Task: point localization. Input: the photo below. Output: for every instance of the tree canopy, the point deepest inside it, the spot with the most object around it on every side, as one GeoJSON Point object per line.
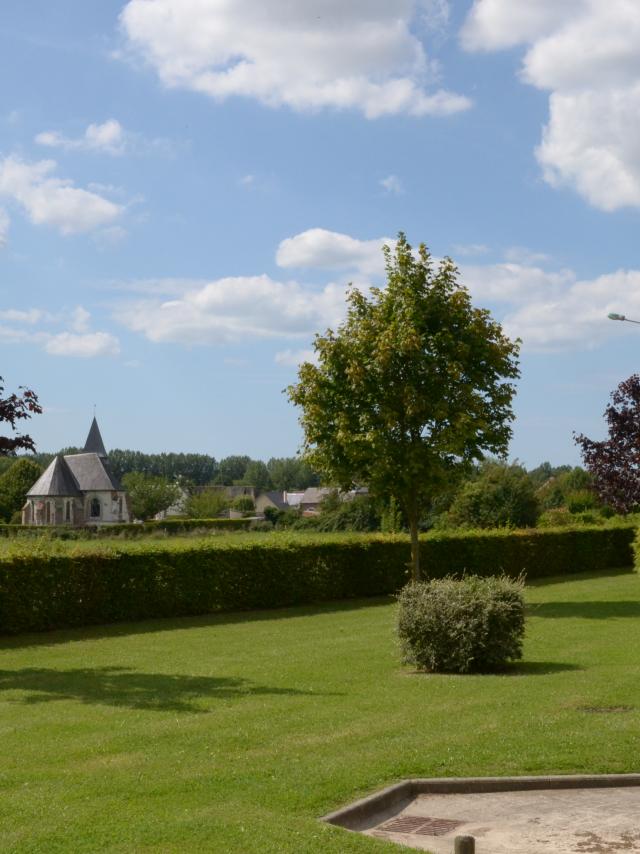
{"type": "Point", "coordinates": [14, 408]}
{"type": "Point", "coordinates": [502, 495]}
{"type": "Point", "coordinates": [614, 463]}
{"type": "Point", "coordinates": [412, 387]}
{"type": "Point", "coordinates": [149, 494]}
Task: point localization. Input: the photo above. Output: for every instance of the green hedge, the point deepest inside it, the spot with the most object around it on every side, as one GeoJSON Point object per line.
{"type": "Point", "coordinates": [53, 584]}
{"type": "Point", "coordinates": [168, 526]}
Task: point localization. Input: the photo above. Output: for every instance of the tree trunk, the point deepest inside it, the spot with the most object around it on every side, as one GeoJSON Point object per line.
{"type": "Point", "coordinates": [415, 546]}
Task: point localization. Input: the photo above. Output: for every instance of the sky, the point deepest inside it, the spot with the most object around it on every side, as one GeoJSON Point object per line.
{"type": "Point", "coordinates": [187, 188]}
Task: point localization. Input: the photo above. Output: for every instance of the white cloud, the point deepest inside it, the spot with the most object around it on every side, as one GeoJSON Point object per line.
{"type": "Point", "coordinates": [585, 53]}
{"type": "Point", "coordinates": [293, 358]}
{"type": "Point", "coordinates": [54, 201]}
{"type": "Point", "coordinates": [232, 309]}
{"type": "Point", "coordinates": [247, 180]}
{"type": "Point", "coordinates": [522, 255]}
{"type": "Point", "coordinates": [470, 249]}
{"type": "Point", "coordinates": [361, 55]}
{"type": "Point", "coordinates": [392, 184]}
{"type": "Point", "coordinates": [77, 340]}
{"type": "Point", "coordinates": [86, 345]}
{"type": "Point", "coordinates": [13, 315]}
{"type": "Point", "coordinates": [320, 249]}
{"type": "Point", "coordinates": [4, 227]}
{"type": "Point", "coordinates": [555, 310]}
{"type": "Point", "coordinates": [108, 137]}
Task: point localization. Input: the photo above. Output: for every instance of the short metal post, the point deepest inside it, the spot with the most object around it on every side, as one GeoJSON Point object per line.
{"type": "Point", "coordinates": [464, 845]}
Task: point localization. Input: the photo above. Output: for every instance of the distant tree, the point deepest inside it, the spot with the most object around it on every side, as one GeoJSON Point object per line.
{"type": "Point", "coordinates": [256, 474]}
{"type": "Point", "coordinates": [207, 504]}
{"type": "Point", "coordinates": [544, 472]}
{"type": "Point", "coordinates": [614, 463]}
{"type": "Point", "coordinates": [289, 473]}
{"type": "Point", "coordinates": [198, 469]}
{"type": "Point", "coordinates": [501, 495]}
{"type": "Point", "coordinates": [14, 408]}
{"type": "Point", "coordinates": [231, 470]}
{"type": "Point", "coordinates": [14, 485]}
{"type": "Point", "coordinates": [412, 387]}
{"type": "Point", "coordinates": [149, 494]}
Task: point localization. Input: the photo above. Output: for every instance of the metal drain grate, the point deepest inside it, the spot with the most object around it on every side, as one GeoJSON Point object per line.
{"type": "Point", "coordinates": [438, 827]}
{"type": "Point", "coordinates": [421, 825]}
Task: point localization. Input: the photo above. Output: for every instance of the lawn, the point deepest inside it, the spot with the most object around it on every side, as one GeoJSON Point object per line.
{"type": "Point", "coordinates": [233, 733]}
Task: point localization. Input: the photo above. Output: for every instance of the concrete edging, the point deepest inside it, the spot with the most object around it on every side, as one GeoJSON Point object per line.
{"type": "Point", "coordinates": [392, 799]}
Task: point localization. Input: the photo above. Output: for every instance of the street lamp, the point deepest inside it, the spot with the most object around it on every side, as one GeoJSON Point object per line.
{"type": "Point", "coordinates": [614, 316]}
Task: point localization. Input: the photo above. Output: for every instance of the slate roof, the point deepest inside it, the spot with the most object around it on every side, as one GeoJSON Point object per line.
{"type": "Point", "coordinates": [94, 443]}
{"type": "Point", "coordinates": [315, 494]}
{"type": "Point", "coordinates": [278, 498]}
{"type": "Point", "coordinates": [57, 480]}
{"type": "Point", "coordinates": [92, 473]}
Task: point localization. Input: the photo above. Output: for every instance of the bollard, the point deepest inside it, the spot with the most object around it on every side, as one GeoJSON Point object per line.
{"type": "Point", "coordinates": [464, 845]}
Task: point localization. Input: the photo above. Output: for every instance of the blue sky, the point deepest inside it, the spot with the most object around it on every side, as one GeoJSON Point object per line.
{"type": "Point", "coordinates": [187, 186]}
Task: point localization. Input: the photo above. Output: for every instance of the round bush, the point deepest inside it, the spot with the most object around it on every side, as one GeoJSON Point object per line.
{"type": "Point", "coordinates": [472, 625]}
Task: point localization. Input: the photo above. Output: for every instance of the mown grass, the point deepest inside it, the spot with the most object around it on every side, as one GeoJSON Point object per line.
{"type": "Point", "coordinates": [234, 733]}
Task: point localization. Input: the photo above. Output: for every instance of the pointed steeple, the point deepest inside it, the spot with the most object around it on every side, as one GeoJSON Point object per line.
{"type": "Point", "coordinates": [94, 443]}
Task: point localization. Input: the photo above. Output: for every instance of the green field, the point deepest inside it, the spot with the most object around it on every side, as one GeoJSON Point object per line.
{"type": "Point", "coordinates": [233, 733]}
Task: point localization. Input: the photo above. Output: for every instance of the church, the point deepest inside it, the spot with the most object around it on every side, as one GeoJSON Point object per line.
{"type": "Point", "coordinates": [78, 490]}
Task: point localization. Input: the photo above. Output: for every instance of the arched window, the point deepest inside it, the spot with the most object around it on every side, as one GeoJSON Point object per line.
{"type": "Point", "coordinates": [95, 508]}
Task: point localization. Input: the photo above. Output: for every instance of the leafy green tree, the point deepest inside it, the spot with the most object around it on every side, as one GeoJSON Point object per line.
{"type": "Point", "coordinates": [413, 385]}
{"type": "Point", "coordinates": [289, 473]}
{"type": "Point", "coordinates": [257, 474]}
{"type": "Point", "coordinates": [14, 485]}
{"type": "Point", "coordinates": [149, 494]}
{"type": "Point", "coordinates": [502, 495]}
{"type": "Point", "coordinates": [231, 470]}
{"type": "Point", "coordinates": [243, 503]}
{"type": "Point", "coordinates": [207, 504]}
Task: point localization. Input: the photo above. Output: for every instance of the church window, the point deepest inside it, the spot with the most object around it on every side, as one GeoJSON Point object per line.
{"type": "Point", "coordinates": [67, 511]}
{"type": "Point", "coordinates": [95, 508]}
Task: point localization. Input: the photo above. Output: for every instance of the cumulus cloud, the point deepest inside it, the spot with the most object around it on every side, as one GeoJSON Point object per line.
{"type": "Point", "coordinates": [52, 201]}
{"type": "Point", "coordinates": [86, 345]}
{"type": "Point", "coordinates": [320, 249]}
{"type": "Point", "coordinates": [362, 55]}
{"type": "Point", "coordinates": [230, 309]}
{"type": "Point", "coordinates": [586, 55]}
{"type": "Point", "coordinates": [108, 137]}
{"type": "Point", "coordinates": [78, 340]}
{"type": "Point", "coordinates": [554, 310]}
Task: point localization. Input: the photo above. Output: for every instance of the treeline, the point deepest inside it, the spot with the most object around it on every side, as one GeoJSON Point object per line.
{"type": "Point", "coordinates": [282, 473]}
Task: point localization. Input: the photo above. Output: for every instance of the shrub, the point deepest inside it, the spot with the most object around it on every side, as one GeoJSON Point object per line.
{"type": "Point", "coordinates": [243, 503]}
{"type": "Point", "coordinates": [451, 626]}
{"type": "Point", "coordinates": [207, 504]}
{"type": "Point", "coordinates": [501, 495]}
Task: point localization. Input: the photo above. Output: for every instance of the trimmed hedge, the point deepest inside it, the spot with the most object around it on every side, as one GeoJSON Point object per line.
{"type": "Point", "coordinates": [55, 584]}
{"type": "Point", "coordinates": [167, 526]}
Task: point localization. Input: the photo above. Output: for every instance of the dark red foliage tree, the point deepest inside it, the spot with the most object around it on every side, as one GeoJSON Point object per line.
{"type": "Point", "coordinates": [615, 462]}
{"type": "Point", "coordinates": [14, 408]}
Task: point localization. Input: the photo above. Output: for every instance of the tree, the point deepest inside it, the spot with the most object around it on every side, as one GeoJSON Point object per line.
{"type": "Point", "coordinates": [614, 463]}
{"type": "Point", "coordinates": [17, 407]}
{"type": "Point", "coordinates": [207, 504]}
{"type": "Point", "coordinates": [501, 495]}
{"type": "Point", "coordinates": [412, 387]}
{"type": "Point", "coordinates": [288, 473]}
{"type": "Point", "coordinates": [231, 469]}
{"type": "Point", "coordinates": [149, 494]}
{"type": "Point", "coordinates": [256, 474]}
{"type": "Point", "coordinates": [14, 485]}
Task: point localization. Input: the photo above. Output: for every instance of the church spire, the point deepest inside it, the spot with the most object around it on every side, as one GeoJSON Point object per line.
{"type": "Point", "coordinates": [94, 443]}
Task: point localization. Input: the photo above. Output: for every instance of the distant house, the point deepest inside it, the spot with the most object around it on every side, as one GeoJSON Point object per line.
{"type": "Point", "coordinates": [78, 489]}
{"type": "Point", "coordinates": [312, 498]}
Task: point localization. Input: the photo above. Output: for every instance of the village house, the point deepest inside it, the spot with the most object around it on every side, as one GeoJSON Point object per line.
{"type": "Point", "coordinates": [78, 489]}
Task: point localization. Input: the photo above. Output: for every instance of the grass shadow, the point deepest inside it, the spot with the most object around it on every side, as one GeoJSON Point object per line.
{"type": "Point", "coordinates": [585, 610]}
{"type": "Point", "coordinates": [121, 686]}
{"type": "Point", "coordinates": [170, 624]}
{"type": "Point", "coordinates": [580, 576]}
{"type": "Point", "coordinates": [538, 668]}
